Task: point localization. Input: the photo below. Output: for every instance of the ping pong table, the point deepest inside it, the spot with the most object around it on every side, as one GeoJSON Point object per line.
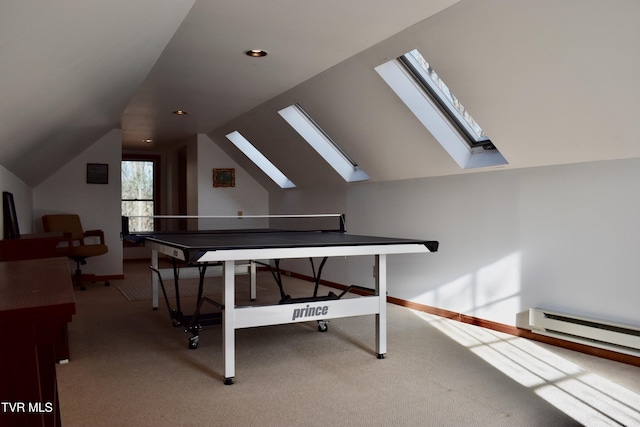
{"type": "Point", "coordinates": [229, 247]}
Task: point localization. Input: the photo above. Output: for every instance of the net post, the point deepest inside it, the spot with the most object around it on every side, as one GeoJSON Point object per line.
{"type": "Point", "coordinates": [343, 223]}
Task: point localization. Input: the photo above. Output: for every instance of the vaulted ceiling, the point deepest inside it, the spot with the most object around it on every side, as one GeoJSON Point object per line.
{"type": "Point", "coordinates": [551, 81]}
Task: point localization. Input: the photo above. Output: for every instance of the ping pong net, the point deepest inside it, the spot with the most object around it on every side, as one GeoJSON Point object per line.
{"type": "Point", "coordinates": [133, 226]}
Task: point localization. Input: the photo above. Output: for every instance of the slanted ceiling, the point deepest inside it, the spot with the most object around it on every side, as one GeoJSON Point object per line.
{"type": "Point", "coordinates": [549, 81]}
{"type": "Point", "coordinates": [68, 69]}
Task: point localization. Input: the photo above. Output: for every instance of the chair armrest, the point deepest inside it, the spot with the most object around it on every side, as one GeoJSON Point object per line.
{"type": "Point", "coordinates": [95, 233]}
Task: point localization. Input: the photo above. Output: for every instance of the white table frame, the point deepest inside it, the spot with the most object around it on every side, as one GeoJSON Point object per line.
{"type": "Point", "coordinates": [234, 317]}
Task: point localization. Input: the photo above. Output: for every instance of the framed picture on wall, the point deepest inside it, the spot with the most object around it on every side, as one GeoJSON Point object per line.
{"type": "Point", "coordinates": [224, 177]}
{"type": "Point", "coordinates": [97, 173]}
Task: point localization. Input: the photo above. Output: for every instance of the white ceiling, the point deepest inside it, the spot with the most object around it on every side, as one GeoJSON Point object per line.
{"type": "Point", "coordinates": [551, 81]}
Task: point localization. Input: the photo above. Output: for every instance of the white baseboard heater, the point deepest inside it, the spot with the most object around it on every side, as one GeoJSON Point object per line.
{"type": "Point", "coordinates": [596, 333]}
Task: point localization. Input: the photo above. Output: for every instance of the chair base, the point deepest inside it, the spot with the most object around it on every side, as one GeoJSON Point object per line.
{"type": "Point", "coordinates": [79, 278]}
{"type": "Point", "coordinates": [80, 281]}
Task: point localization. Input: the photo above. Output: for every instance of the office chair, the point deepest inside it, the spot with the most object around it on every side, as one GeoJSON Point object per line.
{"type": "Point", "coordinates": [76, 248]}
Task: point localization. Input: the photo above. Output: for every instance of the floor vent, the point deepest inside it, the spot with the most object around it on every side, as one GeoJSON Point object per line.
{"type": "Point", "coordinates": [597, 333]}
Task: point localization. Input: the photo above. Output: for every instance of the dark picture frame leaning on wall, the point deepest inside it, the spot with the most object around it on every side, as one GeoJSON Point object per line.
{"type": "Point", "coordinates": [10, 219]}
{"type": "Point", "coordinates": [97, 173]}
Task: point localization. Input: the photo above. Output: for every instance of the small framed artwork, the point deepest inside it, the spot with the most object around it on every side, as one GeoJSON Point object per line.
{"type": "Point", "coordinates": [224, 177]}
{"type": "Point", "coordinates": [97, 173]}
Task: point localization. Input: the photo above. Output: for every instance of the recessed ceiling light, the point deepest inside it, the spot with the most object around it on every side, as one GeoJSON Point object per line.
{"type": "Point", "coordinates": [256, 53]}
{"type": "Point", "coordinates": [180, 112]}
{"type": "Point", "coordinates": [148, 140]}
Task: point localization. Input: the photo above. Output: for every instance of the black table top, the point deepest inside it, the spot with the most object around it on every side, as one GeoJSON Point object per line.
{"type": "Point", "coordinates": [264, 239]}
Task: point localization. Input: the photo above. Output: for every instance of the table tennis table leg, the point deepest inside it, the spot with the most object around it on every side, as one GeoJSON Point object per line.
{"type": "Point", "coordinates": [253, 281]}
{"type": "Point", "coordinates": [381, 318]}
{"type": "Point", "coordinates": [154, 280]}
{"type": "Point", "coordinates": [228, 323]}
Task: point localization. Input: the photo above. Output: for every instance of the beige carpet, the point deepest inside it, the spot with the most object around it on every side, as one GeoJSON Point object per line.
{"type": "Point", "coordinates": [140, 290]}
{"type": "Point", "coordinates": [143, 292]}
{"type": "Point", "coordinates": [130, 367]}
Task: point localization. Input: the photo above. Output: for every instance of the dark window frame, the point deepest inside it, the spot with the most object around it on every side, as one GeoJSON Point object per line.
{"type": "Point", "coordinates": [156, 160]}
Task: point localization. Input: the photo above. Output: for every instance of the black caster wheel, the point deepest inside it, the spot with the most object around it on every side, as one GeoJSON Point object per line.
{"type": "Point", "coordinates": [193, 342]}
{"type": "Point", "coordinates": [323, 326]}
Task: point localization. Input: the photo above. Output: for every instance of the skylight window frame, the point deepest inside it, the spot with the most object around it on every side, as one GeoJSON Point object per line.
{"type": "Point", "coordinates": [319, 140]}
{"type": "Point", "coordinates": [432, 116]}
{"type": "Point", "coordinates": [411, 62]}
{"type": "Point", "coordinates": [259, 160]}
{"type": "Point", "coordinates": [326, 135]}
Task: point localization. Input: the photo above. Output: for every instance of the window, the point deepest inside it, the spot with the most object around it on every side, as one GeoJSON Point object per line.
{"type": "Point", "coordinates": [433, 103]}
{"type": "Point", "coordinates": [139, 194]}
{"type": "Point", "coordinates": [259, 159]}
{"type": "Point", "coordinates": [315, 136]}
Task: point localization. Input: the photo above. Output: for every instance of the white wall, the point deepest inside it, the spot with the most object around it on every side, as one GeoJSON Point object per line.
{"type": "Point", "coordinates": [22, 197]}
{"type": "Point", "coordinates": [247, 196]}
{"type": "Point", "coordinates": [562, 237]}
{"type": "Point", "coordinates": [98, 205]}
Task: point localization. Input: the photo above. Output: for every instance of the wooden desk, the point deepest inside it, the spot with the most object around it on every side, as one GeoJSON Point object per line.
{"type": "Point", "coordinates": [30, 246]}
{"type": "Point", "coordinates": [36, 304]}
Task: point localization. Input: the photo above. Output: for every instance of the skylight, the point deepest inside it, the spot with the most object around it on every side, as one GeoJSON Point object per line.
{"type": "Point", "coordinates": [432, 102]}
{"type": "Point", "coordinates": [260, 160]}
{"type": "Point", "coordinates": [300, 120]}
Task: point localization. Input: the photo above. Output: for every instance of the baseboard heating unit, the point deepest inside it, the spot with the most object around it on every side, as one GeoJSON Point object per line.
{"type": "Point", "coordinates": [612, 336]}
